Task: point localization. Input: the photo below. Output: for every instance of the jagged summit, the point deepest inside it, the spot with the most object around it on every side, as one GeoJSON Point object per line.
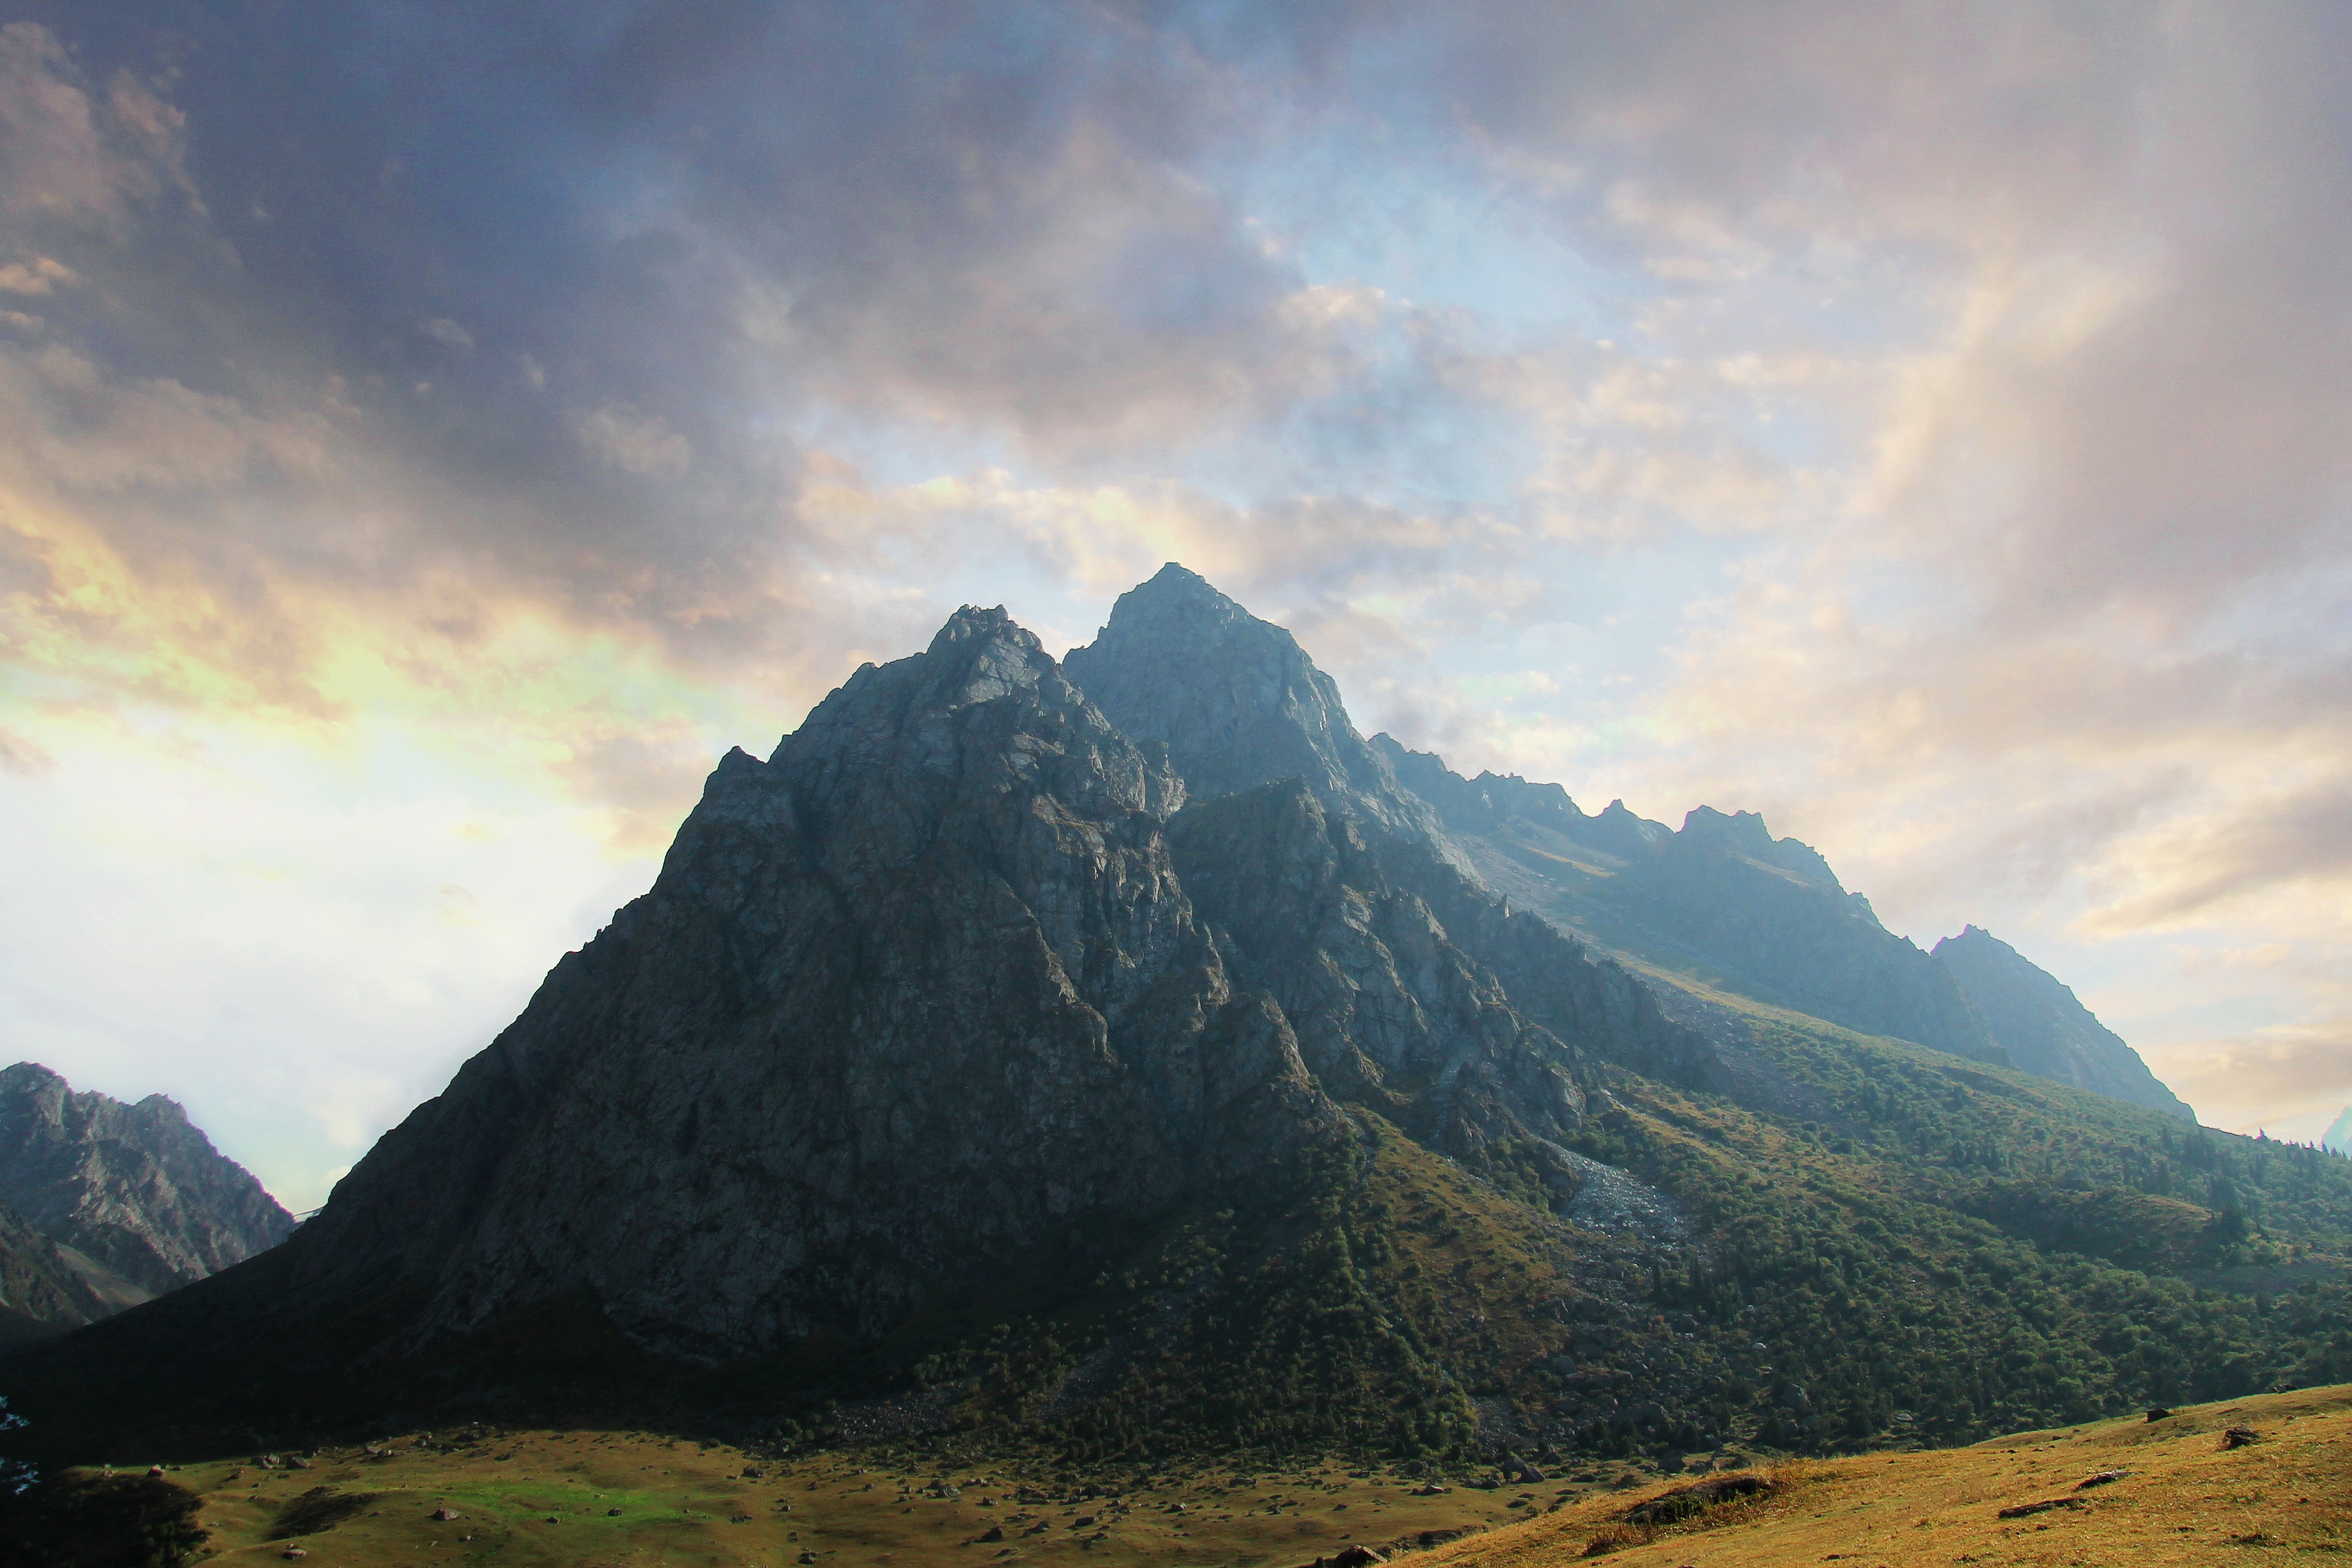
{"type": "Point", "coordinates": [2045, 1027]}
{"type": "Point", "coordinates": [1237, 702]}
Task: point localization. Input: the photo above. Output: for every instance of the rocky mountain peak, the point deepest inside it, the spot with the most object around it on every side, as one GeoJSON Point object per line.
{"type": "Point", "coordinates": [904, 1000]}
{"type": "Point", "coordinates": [137, 1197]}
{"type": "Point", "coordinates": [1237, 702]}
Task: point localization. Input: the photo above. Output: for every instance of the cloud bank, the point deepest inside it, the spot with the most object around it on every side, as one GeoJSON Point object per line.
{"type": "Point", "coordinates": [450, 428]}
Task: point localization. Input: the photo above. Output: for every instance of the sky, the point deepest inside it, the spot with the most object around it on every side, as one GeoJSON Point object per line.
{"type": "Point", "coordinates": [432, 434]}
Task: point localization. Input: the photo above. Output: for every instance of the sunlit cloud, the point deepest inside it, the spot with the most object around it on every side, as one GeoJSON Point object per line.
{"type": "Point", "coordinates": [1931, 427]}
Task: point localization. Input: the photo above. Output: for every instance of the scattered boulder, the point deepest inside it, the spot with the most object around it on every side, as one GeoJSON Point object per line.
{"type": "Point", "coordinates": [2104, 1479]}
{"type": "Point", "coordinates": [1690, 1501]}
{"type": "Point", "coordinates": [444, 1514]}
{"type": "Point", "coordinates": [2026, 1509]}
{"type": "Point", "coordinates": [1351, 1557]}
{"type": "Point", "coordinates": [2157, 1413]}
{"type": "Point", "coordinates": [993, 1533]}
{"type": "Point", "coordinates": [2238, 1437]}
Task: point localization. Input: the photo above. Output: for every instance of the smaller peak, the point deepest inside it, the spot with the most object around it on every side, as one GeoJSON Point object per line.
{"type": "Point", "coordinates": [32, 1073]}
{"type": "Point", "coordinates": [164, 1107]}
{"type": "Point", "coordinates": [973, 624]}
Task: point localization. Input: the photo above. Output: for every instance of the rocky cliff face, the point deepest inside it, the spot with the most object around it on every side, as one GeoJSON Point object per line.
{"type": "Point", "coordinates": [140, 1198]}
{"type": "Point", "coordinates": [905, 997]}
{"type": "Point", "coordinates": [1237, 703]}
{"type": "Point", "coordinates": [40, 1293]}
{"type": "Point", "coordinates": [2044, 1028]}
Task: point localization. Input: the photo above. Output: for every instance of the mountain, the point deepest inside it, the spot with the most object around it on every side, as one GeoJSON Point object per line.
{"type": "Point", "coordinates": [2044, 1028]}
{"type": "Point", "coordinates": [1116, 1057]}
{"type": "Point", "coordinates": [2339, 1136]}
{"type": "Point", "coordinates": [1236, 702]}
{"type": "Point", "coordinates": [1721, 900]}
{"type": "Point", "coordinates": [136, 1200]}
{"type": "Point", "coordinates": [40, 1293]}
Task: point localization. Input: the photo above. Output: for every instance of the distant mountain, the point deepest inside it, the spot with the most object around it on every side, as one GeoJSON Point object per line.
{"type": "Point", "coordinates": [40, 1293]}
{"type": "Point", "coordinates": [137, 1200]}
{"type": "Point", "coordinates": [2339, 1137]}
{"type": "Point", "coordinates": [1722, 901]}
{"type": "Point", "coordinates": [2044, 1028]}
{"type": "Point", "coordinates": [1118, 1055]}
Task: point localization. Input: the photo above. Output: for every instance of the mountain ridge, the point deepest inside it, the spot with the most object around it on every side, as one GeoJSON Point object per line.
{"type": "Point", "coordinates": [977, 1059]}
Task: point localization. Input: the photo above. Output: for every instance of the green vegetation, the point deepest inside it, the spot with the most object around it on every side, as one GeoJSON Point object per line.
{"type": "Point", "coordinates": [1934, 1252]}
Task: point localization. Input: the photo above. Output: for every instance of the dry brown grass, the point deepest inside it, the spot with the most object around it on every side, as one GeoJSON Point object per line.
{"type": "Point", "coordinates": [2189, 1499]}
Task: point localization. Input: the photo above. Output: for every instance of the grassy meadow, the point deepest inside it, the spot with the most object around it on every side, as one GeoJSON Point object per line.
{"type": "Point", "coordinates": [2182, 1497]}
{"type": "Point", "coordinates": [593, 1497]}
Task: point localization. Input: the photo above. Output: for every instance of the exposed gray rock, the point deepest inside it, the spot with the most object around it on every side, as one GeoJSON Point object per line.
{"type": "Point", "coordinates": [2044, 1028]}
{"type": "Point", "coordinates": [1237, 703]}
{"type": "Point", "coordinates": [1390, 1012]}
{"type": "Point", "coordinates": [905, 997]}
{"type": "Point", "coordinates": [133, 1190]}
{"type": "Point", "coordinates": [40, 1293]}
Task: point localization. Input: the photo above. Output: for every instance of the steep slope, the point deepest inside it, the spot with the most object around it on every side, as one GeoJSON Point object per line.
{"type": "Point", "coordinates": [2044, 1028]}
{"type": "Point", "coordinates": [1722, 901]}
{"type": "Point", "coordinates": [141, 1197]}
{"type": "Point", "coordinates": [40, 1293]}
{"type": "Point", "coordinates": [904, 999]}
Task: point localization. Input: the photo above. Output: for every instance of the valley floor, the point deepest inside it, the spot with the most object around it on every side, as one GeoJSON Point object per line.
{"type": "Point", "coordinates": [639, 1500]}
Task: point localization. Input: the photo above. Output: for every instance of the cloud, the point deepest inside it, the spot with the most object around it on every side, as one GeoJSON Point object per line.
{"type": "Point", "coordinates": [1928, 425]}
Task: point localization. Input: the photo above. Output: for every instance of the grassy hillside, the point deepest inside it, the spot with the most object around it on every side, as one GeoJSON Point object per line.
{"type": "Point", "coordinates": [2178, 1496]}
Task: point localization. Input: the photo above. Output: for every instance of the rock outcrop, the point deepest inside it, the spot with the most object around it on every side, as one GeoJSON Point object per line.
{"type": "Point", "coordinates": [2044, 1028]}
{"type": "Point", "coordinates": [139, 1200]}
